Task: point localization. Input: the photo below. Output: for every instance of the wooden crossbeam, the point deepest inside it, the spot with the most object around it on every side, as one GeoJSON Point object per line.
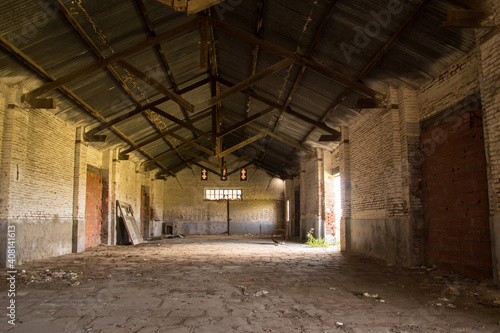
{"type": "Point", "coordinates": [169, 153]}
{"type": "Point", "coordinates": [200, 158]}
{"type": "Point", "coordinates": [309, 63]}
{"type": "Point", "coordinates": [89, 69]}
{"type": "Point", "coordinates": [168, 132]}
{"type": "Point", "coordinates": [141, 109]}
{"type": "Point", "coordinates": [268, 132]}
{"type": "Point", "coordinates": [9, 47]}
{"type": "Point", "coordinates": [157, 85]}
{"type": "Point", "coordinates": [192, 144]}
{"type": "Point", "coordinates": [242, 144]}
{"type": "Point", "coordinates": [179, 122]}
{"type": "Point", "coordinates": [289, 110]}
{"type": "Point", "coordinates": [244, 84]}
{"type": "Point", "coordinates": [266, 151]}
{"type": "Point", "coordinates": [245, 122]}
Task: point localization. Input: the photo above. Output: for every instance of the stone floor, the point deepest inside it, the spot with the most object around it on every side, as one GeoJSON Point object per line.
{"type": "Point", "coordinates": [242, 284]}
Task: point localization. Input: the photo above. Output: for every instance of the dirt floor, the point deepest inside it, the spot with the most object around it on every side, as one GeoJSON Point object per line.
{"type": "Point", "coordinates": [242, 284]}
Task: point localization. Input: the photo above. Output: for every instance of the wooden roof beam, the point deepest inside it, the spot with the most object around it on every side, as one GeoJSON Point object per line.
{"type": "Point", "coordinates": [300, 60]}
{"type": "Point", "coordinates": [89, 69]}
{"type": "Point", "coordinates": [9, 47]}
{"type": "Point", "coordinates": [268, 132]}
{"type": "Point", "coordinates": [242, 144]}
{"type": "Point", "coordinates": [244, 84]}
{"type": "Point", "coordinates": [143, 108]}
{"type": "Point", "coordinates": [157, 85]}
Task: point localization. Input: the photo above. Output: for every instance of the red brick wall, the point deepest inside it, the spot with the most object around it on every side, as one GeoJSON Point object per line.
{"type": "Point", "coordinates": [93, 206]}
{"type": "Point", "coordinates": [455, 197]}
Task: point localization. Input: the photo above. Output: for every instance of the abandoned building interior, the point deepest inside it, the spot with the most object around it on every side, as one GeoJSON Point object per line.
{"type": "Point", "coordinates": [373, 125]}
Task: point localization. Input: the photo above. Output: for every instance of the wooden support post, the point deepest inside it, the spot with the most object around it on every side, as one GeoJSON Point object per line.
{"type": "Point", "coordinates": [42, 103]}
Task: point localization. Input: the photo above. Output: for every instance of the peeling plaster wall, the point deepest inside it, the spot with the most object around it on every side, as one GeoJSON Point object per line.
{"type": "Point", "coordinates": [260, 212]}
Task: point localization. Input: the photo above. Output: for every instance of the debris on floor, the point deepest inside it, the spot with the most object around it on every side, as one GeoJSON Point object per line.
{"type": "Point", "coordinates": [44, 276]}
{"type": "Point", "coordinates": [175, 236]}
{"type": "Point", "coordinates": [261, 293]}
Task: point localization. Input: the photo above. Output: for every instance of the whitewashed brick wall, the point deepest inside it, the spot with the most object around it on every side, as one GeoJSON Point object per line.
{"type": "Point", "coordinates": [453, 85]}
{"type": "Point", "coordinates": [186, 209]}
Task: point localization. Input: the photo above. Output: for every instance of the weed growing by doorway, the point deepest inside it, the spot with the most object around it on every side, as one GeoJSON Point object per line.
{"type": "Point", "coordinates": [320, 242]}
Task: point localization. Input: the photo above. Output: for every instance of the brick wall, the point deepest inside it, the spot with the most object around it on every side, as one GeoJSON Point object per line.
{"type": "Point", "coordinates": [261, 211]}
{"type": "Point", "coordinates": [36, 192]}
{"type": "Point", "coordinates": [377, 169]}
{"type": "Point", "coordinates": [375, 178]}
{"type": "Point", "coordinates": [454, 84]}
{"type": "Point", "coordinates": [455, 197]}
{"type": "Point", "coordinates": [310, 198]}
{"type": "Point", "coordinates": [490, 96]}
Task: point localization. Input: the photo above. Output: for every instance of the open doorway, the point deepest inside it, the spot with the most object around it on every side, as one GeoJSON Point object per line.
{"type": "Point", "coordinates": [333, 208]}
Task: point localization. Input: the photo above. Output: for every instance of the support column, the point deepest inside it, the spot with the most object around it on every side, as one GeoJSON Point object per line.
{"type": "Point", "coordinates": [109, 169]}
{"type": "Point", "coordinates": [412, 246]}
{"type": "Point", "coordinates": [320, 225]}
{"type": "Point", "coordinates": [79, 192]}
{"type": "Point", "coordinates": [490, 96]}
{"type": "Point", "coordinates": [345, 181]}
{"type": "Point", "coordinates": [14, 151]}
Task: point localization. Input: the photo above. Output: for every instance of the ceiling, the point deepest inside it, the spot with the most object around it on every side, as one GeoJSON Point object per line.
{"type": "Point", "coordinates": [266, 81]}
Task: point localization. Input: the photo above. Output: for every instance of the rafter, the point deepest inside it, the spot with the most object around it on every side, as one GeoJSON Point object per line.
{"type": "Point", "coordinates": [255, 51]}
{"type": "Point", "coordinates": [296, 84]}
{"type": "Point", "coordinates": [245, 122]}
{"type": "Point", "coordinates": [179, 122]}
{"type": "Point", "coordinates": [289, 110]}
{"type": "Point", "coordinates": [89, 69]}
{"type": "Point", "coordinates": [157, 85]}
{"type": "Point", "coordinates": [375, 60]}
{"type": "Point", "coordinates": [161, 54]}
{"type": "Point", "coordinates": [192, 144]}
{"type": "Point", "coordinates": [268, 132]}
{"type": "Point", "coordinates": [168, 154]}
{"type": "Point", "coordinates": [110, 69]}
{"type": "Point", "coordinates": [243, 84]}
{"type": "Point", "coordinates": [143, 108]}
{"type": "Point", "coordinates": [242, 144]}
{"type": "Point", "coordinates": [168, 132]}
{"type": "Point", "coordinates": [326, 71]}
{"type": "Point", "coordinates": [9, 47]}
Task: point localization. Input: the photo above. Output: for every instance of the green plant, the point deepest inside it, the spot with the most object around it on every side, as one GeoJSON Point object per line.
{"type": "Point", "coordinates": [320, 242]}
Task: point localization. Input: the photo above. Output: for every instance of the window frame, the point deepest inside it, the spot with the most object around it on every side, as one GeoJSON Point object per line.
{"type": "Point", "coordinates": [223, 194]}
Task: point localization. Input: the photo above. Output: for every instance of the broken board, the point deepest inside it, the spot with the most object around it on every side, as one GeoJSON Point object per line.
{"type": "Point", "coordinates": [127, 213]}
